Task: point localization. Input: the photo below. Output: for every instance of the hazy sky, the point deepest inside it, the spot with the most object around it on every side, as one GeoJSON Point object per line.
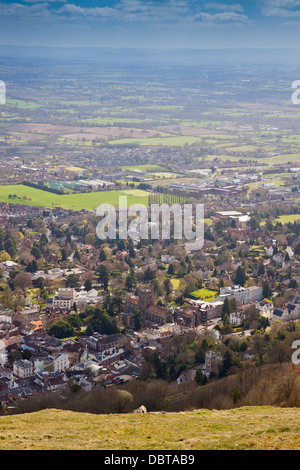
{"type": "Point", "coordinates": [151, 23]}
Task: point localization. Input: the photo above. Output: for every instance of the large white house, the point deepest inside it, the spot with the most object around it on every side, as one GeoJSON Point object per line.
{"type": "Point", "coordinates": [23, 368]}
{"type": "Point", "coordinates": [64, 298]}
{"type": "Point", "coordinates": [242, 295]}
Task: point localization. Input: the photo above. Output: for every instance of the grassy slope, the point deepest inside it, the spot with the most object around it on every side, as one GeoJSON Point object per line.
{"type": "Point", "coordinates": [241, 428]}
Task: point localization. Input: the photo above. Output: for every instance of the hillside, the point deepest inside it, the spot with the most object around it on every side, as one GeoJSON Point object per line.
{"type": "Point", "coordinates": [241, 428]}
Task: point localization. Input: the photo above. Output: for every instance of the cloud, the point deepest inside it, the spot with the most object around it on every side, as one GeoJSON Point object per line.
{"type": "Point", "coordinates": [19, 10]}
{"type": "Point", "coordinates": [71, 10]}
{"type": "Point", "coordinates": [130, 10]}
{"type": "Point", "coordinates": [280, 8]}
{"type": "Point", "coordinates": [222, 18]}
{"type": "Point", "coordinates": [223, 7]}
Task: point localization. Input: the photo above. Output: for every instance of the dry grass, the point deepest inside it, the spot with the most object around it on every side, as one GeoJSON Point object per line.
{"type": "Point", "coordinates": [261, 428]}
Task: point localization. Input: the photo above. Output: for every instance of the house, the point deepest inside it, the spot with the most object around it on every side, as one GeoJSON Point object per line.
{"type": "Point", "coordinates": [27, 315]}
{"type": "Point", "coordinates": [57, 362]}
{"type": "Point", "coordinates": [84, 298]}
{"type": "Point", "coordinates": [265, 309]}
{"type": "Point", "coordinates": [212, 361]}
{"type": "Point", "coordinates": [187, 376]}
{"type": "Point", "coordinates": [64, 299]}
{"type": "Point", "coordinates": [243, 295]}
{"type": "Point", "coordinates": [236, 318]}
{"type": "Point", "coordinates": [23, 368]}
{"type": "Point", "coordinates": [166, 259]}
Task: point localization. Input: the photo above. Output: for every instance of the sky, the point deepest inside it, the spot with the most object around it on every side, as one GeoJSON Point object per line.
{"type": "Point", "coordinates": [163, 24]}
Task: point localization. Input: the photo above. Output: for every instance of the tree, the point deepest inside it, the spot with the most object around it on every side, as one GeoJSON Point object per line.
{"type": "Point", "coordinates": [138, 320]}
{"type": "Point", "coordinates": [226, 364]}
{"type": "Point", "coordinates": [171, 269]}
{"type": "Point", "coordinates": [149, 275]}
{"type": "Point", "coordinates": [61, 329]}
{"type": "Point", "coordinates": [131, 281]}
{"type": "Point", "coordinates": [167, 286]}
{"type": "Point", "coordinates": [201, 379]}
{"type": "Point", "coordinates": [73, 281]}
{"type": "Point", "coordinates": [36, 252]}
{"type": "Point", "coordinates": [121, 245]}
{"type": "Point", "coordinates": [267, 292]}
{"type": "Point", "coordinates": [226, 307]}
{"type": "Point", "coordinates": [88, 285]}
{"type": "Point", "coordinates": [32, 266]}
{"type": "Point", "coordinates": [240, 276]}
{"type": "Point", "coordinates": [74, 320]}
{"type": "Point", "coordinates": [22, 281]}
{"type": "Point", "coordinates": [261, 269]}
{"type": "Point", "coordinates": [131, 250]}
{"type": "Point", "coordinates": [103, 275]}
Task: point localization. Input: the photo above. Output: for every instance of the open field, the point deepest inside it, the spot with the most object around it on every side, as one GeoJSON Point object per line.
{"type": "Point", "coordinates": [80, 133]}
{"type": "Point", "coordinates": [204, 294]}
{"type": "Point", "coordinates": [169, 141]}
{"type": "Point", "coordinates": [89, 201]}
{"type": "Point", "coordinates": [285, 219]}
{"type": "Point", "coordinates": [255, 428]}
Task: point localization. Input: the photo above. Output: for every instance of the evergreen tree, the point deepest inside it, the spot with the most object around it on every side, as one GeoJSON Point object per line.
{"type": "Point", "coordinates": [240, 276]}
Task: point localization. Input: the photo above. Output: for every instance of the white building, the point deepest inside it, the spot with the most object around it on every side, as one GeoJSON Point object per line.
{"type": "Point", "coordinates": [243, 295]}
{"type": "Point", "coordinates": [84, 298]}
{"type": "Point", "coordinates": [23, 368]}
{"type": "Point", "coordinates": [236, 318]}
{"type": "Point", "coordinates": [265, 309]}
{"type": "Point", "coordinates": [64, 299]}
{"type": "Point", "coordinates": [58, 362]}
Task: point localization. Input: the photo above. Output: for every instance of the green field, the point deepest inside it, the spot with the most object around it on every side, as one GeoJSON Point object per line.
{"type": "Point", "coordinates": [171, 141]}
{"type": "Point", "coordinates": [89, 201]}
{"type": "Point", "coordinates": [204, 294]}
{"type": "Point", "coordinates": [175, 283]}
{"type": "Point", "coordinates": [285, 219]}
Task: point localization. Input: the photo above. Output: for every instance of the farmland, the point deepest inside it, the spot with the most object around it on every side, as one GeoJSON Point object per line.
{"type": "Point", "coordinates": [90, 201]}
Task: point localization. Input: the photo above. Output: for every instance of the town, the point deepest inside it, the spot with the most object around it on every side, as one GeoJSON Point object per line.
{"type": "Point", "coordinates": [143, 318]}
{"type": "Point", "coordinates": [80, 313]}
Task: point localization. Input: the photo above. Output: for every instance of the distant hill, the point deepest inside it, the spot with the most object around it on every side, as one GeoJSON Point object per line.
{"type": "Point", "coordinates": [138, 56]}
{"type": "Point", "coordinates": [262, 428]}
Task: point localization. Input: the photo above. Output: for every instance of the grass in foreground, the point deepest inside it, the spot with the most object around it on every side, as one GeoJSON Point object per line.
{"type": "Point", "coordinates": [261, 428]}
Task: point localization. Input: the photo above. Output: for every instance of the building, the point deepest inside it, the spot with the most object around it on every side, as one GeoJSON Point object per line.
{"type": "Point", "coordinates": [236, 318]}
{"type": "Point", "coordinates": [23, 368]}
{"type": "Point", "coordinates": [146, 303]}
{"type": "Point", "coordinates": [212, 361]}
{"type": "Point", "coordinates": [242, 295]}
{"type": "Point", "coordinates": [58, 362]}
{"type": "Point", "coordinates": [27, 315]}
{"type": "Point", "coordinates": [64, 299]}
{"type": "Point", "coordinates": [228, 215]}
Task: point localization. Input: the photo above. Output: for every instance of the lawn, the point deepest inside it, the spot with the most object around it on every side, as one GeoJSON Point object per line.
{"type": "Point", "coordinates": [285, 219]}
{"type": "Point", "coordinates": [175, 283]}
{"type": "Point", "coordinates": [204, 294]}
{"type": "Point", "coordinates": [89, 201]}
